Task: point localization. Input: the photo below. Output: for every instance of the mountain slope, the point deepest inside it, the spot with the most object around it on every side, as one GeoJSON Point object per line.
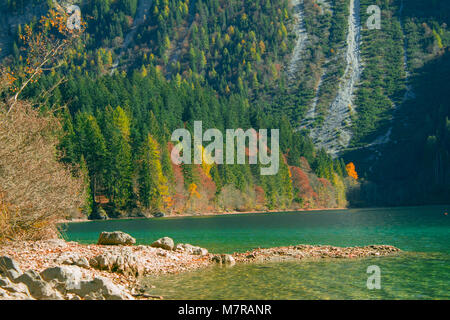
{"type": "Point", "coordinates": [335, 133]}
{"type": "Point", "coordinates": [308, 65]}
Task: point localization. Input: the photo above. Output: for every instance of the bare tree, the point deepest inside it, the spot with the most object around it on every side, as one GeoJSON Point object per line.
{"type": "Point", "coordinates": [36, 190]}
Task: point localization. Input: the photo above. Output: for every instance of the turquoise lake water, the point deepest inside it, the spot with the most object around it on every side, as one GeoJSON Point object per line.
{"type": "Point", "coordinates": [421, 272]}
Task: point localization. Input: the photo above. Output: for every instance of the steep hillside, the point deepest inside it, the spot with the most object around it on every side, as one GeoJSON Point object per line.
{"type": "Point", "coordinates": [412, 166]}
{"type": "Point", "coordinates": [311, 68]}
{"type": "Point", "coordinates": [145, 68]}
{"type": "Point", "coordinates": [387, 121]}
{"type": "Point", "coordinates": [335, 132]}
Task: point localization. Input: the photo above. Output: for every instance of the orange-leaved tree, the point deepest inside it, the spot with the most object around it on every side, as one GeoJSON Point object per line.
{"type": "Point", "coordinates": [351, 170]}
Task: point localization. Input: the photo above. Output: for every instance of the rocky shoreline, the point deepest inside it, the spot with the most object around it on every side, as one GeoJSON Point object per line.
{"type": "Point", "coordinates": [112, 268]}
{"type": "Point", "coordinates": [313, 252]}
{"type": "Point", "coordinates": [208, 214]}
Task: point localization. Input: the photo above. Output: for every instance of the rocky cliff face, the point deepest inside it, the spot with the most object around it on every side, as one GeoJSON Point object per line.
{"type": "Point", "coordinates": [335, 133]}
{"type": "Point", "coordinates": [302, 37]}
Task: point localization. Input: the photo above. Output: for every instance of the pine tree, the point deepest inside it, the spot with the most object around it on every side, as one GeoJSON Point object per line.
{"type": "Point", "coordinates": [122, 122]}
{"type": "Point", "coordinates": [92, 146]}
{"type": "Point", "coordinates": [119, 169]}
{"type": "Point", "coordinates": [89, 202]}
{"type": "Point", "coordinates": [67, 143]}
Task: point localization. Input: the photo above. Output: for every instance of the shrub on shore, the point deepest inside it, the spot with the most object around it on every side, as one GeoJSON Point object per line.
{"type": "Point", "coordinates": [36, 190]}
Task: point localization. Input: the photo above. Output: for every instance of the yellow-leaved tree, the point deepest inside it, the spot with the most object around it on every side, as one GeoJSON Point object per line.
{"type": "Point", "coordinates": [153, 185]}
{"type": "Point", "coordinates": [44, 46]}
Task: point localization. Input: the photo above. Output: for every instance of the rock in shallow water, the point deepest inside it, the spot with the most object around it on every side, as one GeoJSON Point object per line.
{"type": "Point", "coordinates": [194, 250]}
{"type": "Point", "coordinates": [116, 238]}
{"type": "Point", "coordinates": [226, 259]}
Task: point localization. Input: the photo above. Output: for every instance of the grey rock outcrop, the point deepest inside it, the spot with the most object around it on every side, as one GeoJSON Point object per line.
{"type": "Point", "coordinates": [73, 259]}
{"type": "Point", "coordinates": [200, 251]}
{"type": "Point", "coordinates": [38, 288]}
{"type": "Point", "coordinates": [226, 259]}
{"type": "Point", "coordinates": [14, 291]}
{"type": "Point", "coordinates": [100, 288]}
{"type": "Point", "coordinates": [62, 274]}
{"type": "Point", "coordinates": [9, 268]}
{"type": "Point", "coordinates": [126, 263]}
{"type": "Point", "coordinates": [194, 250]}
{"type": "Point", "coordinates": [7, 295]}
{"type": "Point", "coordinates": [66, 282]}
{"type": "Point", "coordinates": [116, 238]}
{"type": "Point", "coordinates": [164, 243]}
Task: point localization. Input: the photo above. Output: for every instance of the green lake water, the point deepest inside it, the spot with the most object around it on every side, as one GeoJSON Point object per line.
{"type": "Point", "coordinates": [421, 272]}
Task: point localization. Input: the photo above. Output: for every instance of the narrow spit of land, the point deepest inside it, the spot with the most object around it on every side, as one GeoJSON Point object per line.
{"type": "Point", "coordinates": [124, 265]}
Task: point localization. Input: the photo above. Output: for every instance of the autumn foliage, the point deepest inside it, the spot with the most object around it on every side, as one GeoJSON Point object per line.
{"type": "Point", "coordinates": [351, 170]}
{"type": "Point", "coordinates": [302, 187]}
{"type": "Point", "coordinates": [43, 47]}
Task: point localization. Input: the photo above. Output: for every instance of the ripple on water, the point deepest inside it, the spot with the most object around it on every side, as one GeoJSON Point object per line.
{"type": "Point", "coordinates": [407, 276]}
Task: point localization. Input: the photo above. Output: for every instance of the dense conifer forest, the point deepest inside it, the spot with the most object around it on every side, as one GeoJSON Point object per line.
{"type": "Point", "coordinates": [142, 69]}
